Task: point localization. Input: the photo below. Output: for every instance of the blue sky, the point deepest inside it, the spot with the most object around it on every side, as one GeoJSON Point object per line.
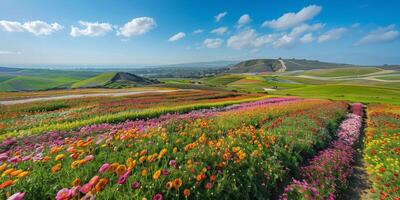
{"type": "Point", "coordinates": [149, 32]}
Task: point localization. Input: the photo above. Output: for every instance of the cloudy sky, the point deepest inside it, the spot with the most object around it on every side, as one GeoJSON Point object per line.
{"type": "Point", "coordinates": [148, 32]}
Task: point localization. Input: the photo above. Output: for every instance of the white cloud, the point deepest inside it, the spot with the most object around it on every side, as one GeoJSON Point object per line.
{"type": "Point", "coordinates": [10, 52]}
{"type": "Point", "coordinates": [332, 34]}
{"type": "Point", "coordinates": [248, 39]}
{"type": "Point", "coordinates": [289, 20]}
{"type": "Point", "coordinates": [380, 35]}
{"type": "Point", "coordinates": [286, 41]}
{"type": "Point", "coordinates": [298, 30]}
{"type": "Point", "coordinates": [91, 29]}
{"type": "Point", "coordinates": [177, 36]}
{"type": "Point", "coordinates": [220, 16]}
{"type": "Point", "coordinates": [213, 43]}
{"type": "Point", "coordinates": [137, 26]}
{"type": "Point", "coordinates": [36, 27]}
{"type": "Point", "coordinates": [244, 19]}
{"type": "Point", "coordinates": [220, 30]}
{"type": "Point", "coordinates": [198, 31]}
{"type": "Point", "coordinates": [307, 38]}
{"type": "Point", "coordinates": [294, 37]}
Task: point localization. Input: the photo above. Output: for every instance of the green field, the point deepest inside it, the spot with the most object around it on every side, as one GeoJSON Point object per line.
{"type": "Point", "coordinates": [366, 94]}
{"type": "Point", "coordinates": [337, 72]}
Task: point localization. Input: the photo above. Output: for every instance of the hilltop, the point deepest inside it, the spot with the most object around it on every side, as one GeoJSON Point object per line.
{"type": "Point", "coordinates": [281, 65]}
{"type": "Point", "coordinates": [114, 80]}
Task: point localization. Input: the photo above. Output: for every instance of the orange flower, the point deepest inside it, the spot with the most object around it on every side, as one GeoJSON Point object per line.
{"type": "Point", "coordinates": [23, 174]}
{"type": "Point", "coordinates": [56, 168]}
{"type": "Point", "coordinates": [113, 167]}
{"type": "Point", "coordinates": [186, 193]}
{"type": "Point", "coordinates": [177, 183]}
{"type": "Point", "coordinates": [144, 172]}
{"type": "Point", "coordinates": [157, 175]}
{"type": "Point", "coordinates": [213, 178]}
{"type": "Point", "coordinates": [46, 158]}
{"type": "Point", "coordinates": [101, 184]}
{"type": "Point", "coordinates": [121, 169]}
{"type": "Point", "coordinates": [6, 184]}
{"type": "Point", "coordinates": [7, 172]}
{"type": "Point", "coordinates": [131, 163]}
{"type": "Point", "coordinates": [16, 172]}
{"type": "Point", "coordinates": [3, 167]}
{"type": "Point", "coordinates": [142, 159]}
{"type": "Point", "coordinates": [76, 182]}
{"type": "Point", "coordinates": [169, 185]}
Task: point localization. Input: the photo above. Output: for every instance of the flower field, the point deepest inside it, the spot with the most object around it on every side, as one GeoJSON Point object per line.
{"type": "Point", "coordinates": [62, 114]}
{"type": "Point", "coordinates": [382, 151]}
{"type": "Point", "coordinates": [242, 151]}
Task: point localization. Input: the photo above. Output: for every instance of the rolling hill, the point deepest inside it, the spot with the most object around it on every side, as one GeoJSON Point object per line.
{"type": "Point", "coordinates": [114, 80]}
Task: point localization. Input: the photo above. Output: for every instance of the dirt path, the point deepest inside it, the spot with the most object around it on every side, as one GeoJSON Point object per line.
{"type": "Point", "coordinates": [75, 96]}
{"type": "Point", "coordinates": [359, 184]}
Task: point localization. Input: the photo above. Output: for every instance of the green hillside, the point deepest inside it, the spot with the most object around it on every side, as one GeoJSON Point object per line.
{"type": "Point", "coordinates": [337, 72]}
{"type": "Point", "coordinates": [97, 81]}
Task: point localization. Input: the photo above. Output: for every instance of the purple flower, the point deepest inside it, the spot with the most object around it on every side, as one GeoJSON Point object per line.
{"type": "Point", "coordinates": [135, 185]}
{"type": "Point", "coordinates": [122, 179]}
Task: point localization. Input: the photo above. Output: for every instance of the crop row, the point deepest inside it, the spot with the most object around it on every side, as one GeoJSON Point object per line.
{"type": "Point", "coordinates": [327, 174]}
{"type": "Point", "coordinates": [36, 114]}
{"type": "Point", "coordinates": [245, 151]}
{"type": "Point", "coordinates": [382, 151]}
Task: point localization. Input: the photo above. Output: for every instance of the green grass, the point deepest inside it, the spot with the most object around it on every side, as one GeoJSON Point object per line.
{"type": "Point", "coordinates": [359, 93]}
{"type": "Point", "coordinates": [337, 72]}
{"type": "Point", "coordinates": [99, 80]}
{"type": "Point", "coordinates": [223, 80]}
{"type": "Point", "coordinates": [30, 83]}
{"type": "Point", "coordinates": [394, 77]}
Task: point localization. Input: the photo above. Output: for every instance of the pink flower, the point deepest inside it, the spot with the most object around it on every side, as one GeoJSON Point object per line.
{"type": "Point", "coordinates": [85, 188]}
{"type": "Point", "coordinates": [89, 157]}
{"type": "Point", "coordinates": [104, 168]}
{"type": "Point", "coordinates": [94, 180]}
{"type": "Point", "coordinates": [17, 196]}
{"type": "Point", "coordinates": [63, 194]}
{"type": "Point", "coordinates": [135, 185]}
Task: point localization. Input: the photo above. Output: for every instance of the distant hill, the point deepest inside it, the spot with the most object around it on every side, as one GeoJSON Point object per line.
{"type": "Point", "coordinates": [114, 80]}
{"type": "Point", "coordinates": [281, 65]}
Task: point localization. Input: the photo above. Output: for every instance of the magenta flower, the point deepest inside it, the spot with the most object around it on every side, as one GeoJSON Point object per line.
{"type": "Point", "coordinates": [104, 168]}
{"type": "Point", "coordinates": [122, 179]}
{"type": "Point", "coordinates": [63, 194]}
{"type": "Point", "coordinates": [208, 185]}
{"type": "Point", "coordinates": [17, 196]}
{"type": "Point", "coordinates": [158, 197]}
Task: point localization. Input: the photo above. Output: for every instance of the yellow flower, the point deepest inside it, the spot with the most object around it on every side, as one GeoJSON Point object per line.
{"type": "Point", "coordinates": [60, 157]}
{"type": "Point", "coordinates": [157, 175]}
{"type": "Point", "coordinates": [74, 164]}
